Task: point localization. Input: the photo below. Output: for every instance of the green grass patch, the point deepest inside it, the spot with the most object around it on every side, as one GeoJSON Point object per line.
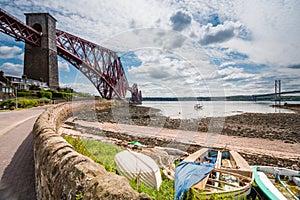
{"type": "Point", "coordinates": [79, 146]}
{"type": "Point", "coordinates": [104, 153]}
{"type": "Point", "coordinates": [166, 190]}
{"type": "Point", "coordinates": [10, 104]}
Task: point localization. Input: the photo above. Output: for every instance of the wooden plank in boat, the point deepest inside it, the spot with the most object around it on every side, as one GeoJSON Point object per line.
{"type": "Point", "coordinates": [214, 187]}
{"type": "Point", "coordinates": [201, 184]}
{"type": "Point", "coordinates": [223, 182]}
{"type": "Point", "coordinates": [240, 162]}
{"type": "Point", "coordinates": [217, 166]}
{"type": "Point", "coordinates": [194, 156]}
{"type": "Point", "coordinates": [228, 171]}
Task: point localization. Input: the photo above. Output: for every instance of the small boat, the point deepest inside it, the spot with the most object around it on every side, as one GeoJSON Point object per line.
{"type": "Point", "coordinates": [213, 174]}
{"type": "Point", "coordinates": [198, 106]}
{"type": "Point", "coordinates": [268, 180]}
{"type": "Point", "coordinates": [138, 166]}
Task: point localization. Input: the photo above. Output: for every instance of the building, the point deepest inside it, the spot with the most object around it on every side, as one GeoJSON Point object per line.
{"type": "Point", "coordinates": [8, 84]}
{"type": "Point", "coordinates": [6, 90]}
{"type": "Point", "coordinates": [22, 83]}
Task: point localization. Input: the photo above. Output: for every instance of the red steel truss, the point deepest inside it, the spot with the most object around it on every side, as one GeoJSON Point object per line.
{"type": "Point", "coordinates": [100, 65]}
{"type": "Point", "coordinates": [17, 29]}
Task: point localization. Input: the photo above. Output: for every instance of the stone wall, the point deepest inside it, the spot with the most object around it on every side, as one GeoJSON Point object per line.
{"type": "Point", "coordinates": [62, 173]}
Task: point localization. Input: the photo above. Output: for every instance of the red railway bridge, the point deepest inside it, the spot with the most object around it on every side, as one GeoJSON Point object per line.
{"type": "Point", "coordinates": [43, 42]}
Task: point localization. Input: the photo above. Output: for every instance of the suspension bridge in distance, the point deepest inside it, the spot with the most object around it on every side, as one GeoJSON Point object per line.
{"type": "Point", "coordinates": [274, 94]}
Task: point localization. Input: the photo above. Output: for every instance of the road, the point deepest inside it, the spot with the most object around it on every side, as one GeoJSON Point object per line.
{"type": "Point", "coordinates": [16, 154]}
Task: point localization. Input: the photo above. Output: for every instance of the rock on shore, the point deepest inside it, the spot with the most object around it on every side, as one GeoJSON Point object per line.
{"type": "Point", "coordinates": [277, 126]}
{"type": "Point", "coordinates": [280, 126]}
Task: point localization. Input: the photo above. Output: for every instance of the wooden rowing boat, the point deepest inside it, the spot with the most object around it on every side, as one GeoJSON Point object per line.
{"type": "Point", "coordinates": [140, 167]}
{"type": "Point", "coordinates": [231, 176]}
{"type": "Point", "coordinates": [269, 180]}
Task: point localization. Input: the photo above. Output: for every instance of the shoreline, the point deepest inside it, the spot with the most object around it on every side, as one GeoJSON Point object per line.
{"type": "Point", "coordinates": [279, 126]}
{"type": "Point", "coordinates": [277, 132]}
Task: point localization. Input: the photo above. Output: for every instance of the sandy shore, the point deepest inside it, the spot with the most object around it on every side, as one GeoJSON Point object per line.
{"type": "Point", "coordinates": [261, 138]}
{"type": "Point", "coordinates": [279, 126]}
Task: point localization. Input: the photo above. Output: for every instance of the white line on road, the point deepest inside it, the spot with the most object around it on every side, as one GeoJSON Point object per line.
{"type": "Point", "coordinates": [9, 128]}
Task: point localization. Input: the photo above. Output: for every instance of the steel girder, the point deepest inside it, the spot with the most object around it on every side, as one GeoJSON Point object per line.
{"type": "Point", "coordinates": [18, 30]}
{"type": "Point", "coordinates": [100, 65]}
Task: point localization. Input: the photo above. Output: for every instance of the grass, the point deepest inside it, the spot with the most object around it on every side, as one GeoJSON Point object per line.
{"type": "Point", "coordinates": [166, 190]}
{"type": "Point", "coordinates": [104, 154]}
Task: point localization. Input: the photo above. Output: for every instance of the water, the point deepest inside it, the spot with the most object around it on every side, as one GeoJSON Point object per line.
{"type": "Point", "coordinates": [186, 110]}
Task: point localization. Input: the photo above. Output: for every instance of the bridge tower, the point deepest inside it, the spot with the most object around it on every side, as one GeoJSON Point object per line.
{"type": "Point", "coordinates": [277, 92]}
{"type": "Point", "coordinates": [40, 62]}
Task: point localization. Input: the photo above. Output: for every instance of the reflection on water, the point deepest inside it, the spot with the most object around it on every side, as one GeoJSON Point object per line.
{"type": "Point", "coordinates": [186, 110]}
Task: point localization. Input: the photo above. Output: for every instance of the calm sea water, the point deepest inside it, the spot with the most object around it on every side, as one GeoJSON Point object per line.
{"type": "Point", "coordinates": [186, 110]}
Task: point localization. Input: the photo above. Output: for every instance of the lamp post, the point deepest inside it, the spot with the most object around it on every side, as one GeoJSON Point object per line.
{"type": "Point", "coordinates": [16, 91]}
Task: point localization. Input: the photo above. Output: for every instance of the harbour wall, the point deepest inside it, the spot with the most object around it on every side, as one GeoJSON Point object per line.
{"type": "Point", "coordinates": [62, 173]}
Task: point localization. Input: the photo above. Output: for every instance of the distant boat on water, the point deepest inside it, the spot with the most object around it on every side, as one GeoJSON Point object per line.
{"type": "Point", "coordinates": [198, 106]}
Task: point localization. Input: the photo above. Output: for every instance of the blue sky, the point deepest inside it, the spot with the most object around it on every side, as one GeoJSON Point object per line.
{"type": "Point", "coordinates": [177, 48]}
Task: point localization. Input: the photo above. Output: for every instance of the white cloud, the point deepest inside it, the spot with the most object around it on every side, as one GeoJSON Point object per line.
{"type": "Point", "coordinates": [63, 66]}
{"type": "Point", "coordinates": [220, 33]}
{"type": "Point", "coordinates": [235, 74]}
{"type": "Point", "coordinates": [12, 69]}
{"type": "Point", "coordinates": [266, 32]}
{"type": "Point", "coordinates": [275, 31]}
{"type": "Point", "coordinates": [10, 52]}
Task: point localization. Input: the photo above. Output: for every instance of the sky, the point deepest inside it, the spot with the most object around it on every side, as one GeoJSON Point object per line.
{"type": "Point", "coordinates": [177, 48]}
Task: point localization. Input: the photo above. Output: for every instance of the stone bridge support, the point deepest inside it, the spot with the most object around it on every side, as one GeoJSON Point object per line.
{"type": "Point", "coordinates": [40, 62]}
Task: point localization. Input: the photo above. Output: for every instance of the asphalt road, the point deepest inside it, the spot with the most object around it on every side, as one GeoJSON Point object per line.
{"type": "Point", "coordinates": [16, 154]}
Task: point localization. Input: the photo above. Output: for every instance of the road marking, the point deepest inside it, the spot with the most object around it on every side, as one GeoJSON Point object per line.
{"type": "Point", "coordinates": [9, 128]}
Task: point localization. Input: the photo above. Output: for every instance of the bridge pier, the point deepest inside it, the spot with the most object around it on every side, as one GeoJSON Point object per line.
{"type": "Point", "coordinates": [40, 62]}
{"type": "Point", "coordinates": [277, 96]}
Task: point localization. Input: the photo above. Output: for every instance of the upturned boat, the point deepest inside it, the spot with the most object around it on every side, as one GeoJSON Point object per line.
{"type": "Point", "coordinates": [213, 174]}
{"type": "Point", "coordinates": [277, 183]}
{"type": "Point", "coordinates": [138, 166]}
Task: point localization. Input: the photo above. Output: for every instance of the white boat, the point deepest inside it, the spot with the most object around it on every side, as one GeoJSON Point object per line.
{"type": "Point", "coordinates": [267, 179]}
{"type": "Point", "coordinates": [226, 176]}
{"type": "Point", "coordinates": [138, 166]}
{"type": "Point", "coordinates": [198, 106]}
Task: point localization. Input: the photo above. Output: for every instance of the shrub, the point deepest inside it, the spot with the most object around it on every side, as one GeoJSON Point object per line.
{"type": "Point", "coordinates": [27, 94]}
{"type": "Point", "coordinates": [43, 93]}
{"type": "Point", "coordinates": [62, 95]}
{"type": "Point", "coordinates": [8, 104]}
{"type": "Point", "coordinates": [22, 103]}
{"type": "Point", "coordinates": [27, 103]}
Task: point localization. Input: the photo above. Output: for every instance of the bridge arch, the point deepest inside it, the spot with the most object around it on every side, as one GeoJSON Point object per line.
{"type": "Point", "coordinates": [43, 43]}
{"type": "Point", "coordinates": [38, 27]}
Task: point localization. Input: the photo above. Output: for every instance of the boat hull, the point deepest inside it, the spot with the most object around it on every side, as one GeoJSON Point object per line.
{"type": "Point", "coordinates": [231, 178]}
{"type": "Point", "coordinates": [266, 185]}
{"type": "Point", "coordinates": [135, 166]}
